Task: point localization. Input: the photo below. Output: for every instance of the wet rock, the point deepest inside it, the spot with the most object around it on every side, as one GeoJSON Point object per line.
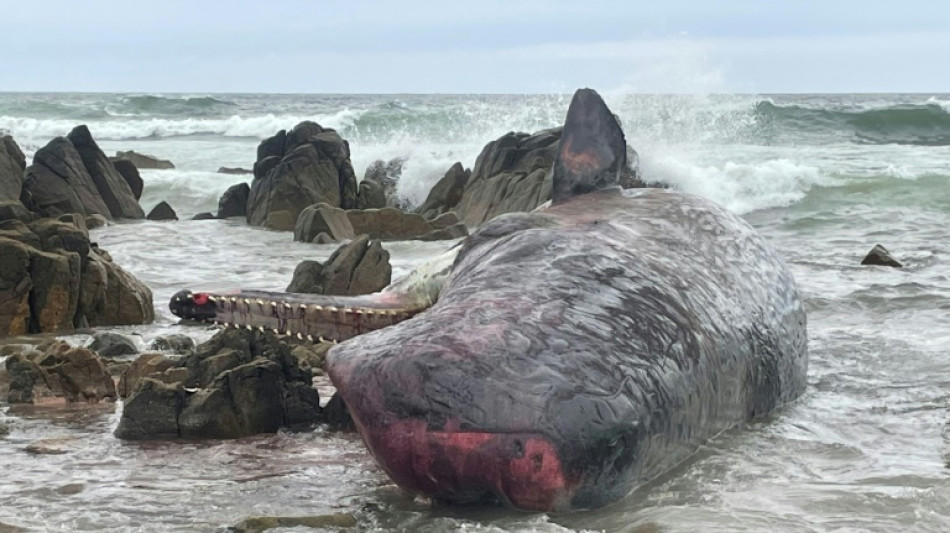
{"type": "Point", "coordinates": [359, 267]}
{"type": "Point", "coordinates": [58, 183]}
{"type": "Point", "coordinates": [323, 238]}
{"type": "Point", "coordinates": [238, 383]}
{"type": "Point", "coordinates": [96, 221]}
{"type": "Point", "coordinates": [310, 357]}
{"type": "Point", "coordinates": [447, 192]}
{"type": "Point", "coordinates": [144, 161]}
{"type": "Point", "coordinates": [456, 231]}
{"type": "Point", "coordinates": [12, 166]}
{"type": "Point", "coordinates": [110, 296]}
{"type": "Point", "coordinates": [445, 220]}
{"type": "Point", "coordinates": [4, 429]}
{"type": "Point", "coordinates": [60, 371]}
{"type": "Point", "coordinates": [7, 528]}
{"type": "Point", "coordinates": [204, 216]}
{"type": "Point", "coordinates": [14, 210]}
{"type": "Point", "coordinates": [881, 257]}
{"type": "Point", "coordinates": [174, 343]}
{"type": "Point", "coordinates": [108, 344]}
{"type": "Point", "coordinates": [233, 202]}
{"type": "Point", "coordinates": [381, 181]}
{"type": "Point", "coordinates": [162, 211]}
{"type": "Point", "coordinates": [388, 223]}
{"type": "Point", "coordinates": [326, 219]}
{"type": "Point", "coordinates": [112, 186]}
{"type": "Point", "coordinates": [71, 489]}
{"type": "Point", "coordinates": [147, 365]}
{"type": "Point", "coordinates": [313, 166]}
{"type": "Point", "coordinates": [337, 415]}
{"type": "Point", "coordinates": [234, 170]}
{"type": "Point", "coordinates": [131, 175]}
{"type": "Point", "coordinates": [257, 524]}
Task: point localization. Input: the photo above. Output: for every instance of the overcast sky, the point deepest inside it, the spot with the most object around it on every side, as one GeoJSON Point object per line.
{"type": "Point", "coordinates": [476, 46]}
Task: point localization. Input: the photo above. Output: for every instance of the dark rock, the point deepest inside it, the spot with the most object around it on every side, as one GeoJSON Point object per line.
{"type": "Point", "coordinates": [15, 211]}
{"type": "Point", "coordinates": [162, 211]}
{"type": "Point", "coordinates": [337, 415]}
{"type": "Point", "coordinates": [313, 167]}
{"type": "Point", "coordinates": [96, 221]}
{"type": "Point", "coordinates": [131, 176]}
{"type": "Point", "coordinates": [238, 383]}
{"type": "Point", "coordinates": [144, 161]}
{"type": "Point", "coordinates": [61, 371]}
{"type": "Point", "coordinates": [16, 283]}
{"type": "Point", "coordinates": [360, 267]}
{"type": "Point", "coordinates": [371, 195]}
{"type": "Point", "coordinates": [147, 365]}
{"type": "Point", "coordinates": [108, 344]}
{"type": "Point", "coordinates": [204, 216]}
{"type": "Point", "coordinates": [234, 170]}
{"type": "Point", "coordinates": [12, 166]}
{"type": "Point", "coordinates": [881, 257]}
{"type": "Point", "coordinates": [151, 411]}
{"type": "Point", "coordinates": [382, 177]}
{"type": "Point", "coordinates": [445, 220]}
{"type": "Point", "coordinates": [174, 343]}
{"type": "Point", "coordinates": [110, 296]}
{"type": "Point", "coordinates": [323, 238]}
{"type": "Point", "coordinates": [325, 219]}
{"type": "Point", "coordinates": [233, 202]}
{"type": "Point", "coordinates": [58, 183]}
{"type": "Point", "coordinates": [112, 186]}
{"type": "Point", "coordinates": [447, 193]}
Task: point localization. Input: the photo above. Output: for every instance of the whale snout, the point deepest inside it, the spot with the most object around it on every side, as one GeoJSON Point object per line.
{"type": "Point", "coordinates": [192, 305]}
{"type": "Point", "coordinates": [521, 470]}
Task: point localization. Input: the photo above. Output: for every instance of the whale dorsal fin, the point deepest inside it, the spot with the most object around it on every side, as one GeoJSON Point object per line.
{"type": "Point", "coordinates": [592, 151]}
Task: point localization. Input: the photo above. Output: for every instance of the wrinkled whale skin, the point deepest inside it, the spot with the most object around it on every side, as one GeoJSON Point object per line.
{"type": "Point", "coordinates": [577, 352]}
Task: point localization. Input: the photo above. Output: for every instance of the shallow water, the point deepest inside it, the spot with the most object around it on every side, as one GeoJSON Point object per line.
{"type": "Point", "coordinates": [864, 450]}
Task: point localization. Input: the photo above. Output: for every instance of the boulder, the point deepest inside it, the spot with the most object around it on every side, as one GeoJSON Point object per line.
{"type": "Point", "coordinates": [112, 186]}
{"type": "Point", "coordinates": [233, 202]}
{"type": "Point", "coordinates": [14, 210]}
{"type": "Point", "coordinates": [309, 165]}
{"type": "Point", "coordinates": [445, 220]}
{"type": "Point", "coordinates": [382, 183]}
{"type": "Point", "coordinates": [144, 161]}
{"type": "Point", "coordinates": [234, 170]}
{"type": "Point", "coordinates": [513, 173]}
{"type": "Point", "coordinates": [337, 415]}
{"type": "Point", "coordinates": [359, 267]}
{"type": "Point", "coordinates": [57, 182]}
{"type": "Point", "coordinates": [131, 176]}
{"type": "Point", "coordinates": [204, 216]}
{"type": "Point", "coordinates": [447, 192]}
{"type": "Point", "coordinates": [320, 219]}
{"type": "Point", "coordinates": [12, 166]}
{"type": "Point", "coordinates": [147, 365]}
{"type": "Point", "coordinates": [388, 223]}
{"type": "Point", "coordinates": [108, 344]}
{"type": "Point", "coordinates": [162, 211]}
{"type": "Point", "coordinates": [59, 371]}
{"type": "Point", "coordinates": [371, 195]}
{"type": "Point", "coordinates": [881, 257]}
{"type": "Point", "coordinates": [455, 231]}
{"type": "Point", "coordinates": [175, 343]}
{"type": "Point", "coordinates": [96, 221]}
{"type": "Point", "coordinates": [238, 383]}
{"type": "Point", "coordinates": [110, 296]}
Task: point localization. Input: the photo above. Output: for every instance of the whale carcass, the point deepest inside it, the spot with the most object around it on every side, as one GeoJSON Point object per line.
{"type": "Point", "coordinates": [564, 356]}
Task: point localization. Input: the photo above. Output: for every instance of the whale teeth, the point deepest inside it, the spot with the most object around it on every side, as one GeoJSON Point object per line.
{"type": "Point", "coordinates": [318, 308]}
{"type": "Point", "coordinates": [287, 305]}
{"type": "Point", "coordinates": [261, 329]}
{"type": "Point", "coordinates": [299, 336]}
{"type": "Point", "coordinates": [321, 339]}
{"type": "Point", "coordinates": [249, 327]}
{"type": "Point", "coordinates": [273, 304]}
{"type": "Point", "coordinates": [310, 338]}
{"type": "Point", "coordinates": [303, 306]}
{"type": "Point", "coordinates": [233, 299]}
{"type": "Point", "coordinates": [212, 299]}
{"type": "Point", "coordinates": [276, 331]}
{"type": "Point", "coordinates": [334, 341]}
{"type": "Point", "coordinates": [260, 302]}
{"type": "Point", "coordinates": [247, 301]}
{"type": "Point", "coordinates": [332, 309]}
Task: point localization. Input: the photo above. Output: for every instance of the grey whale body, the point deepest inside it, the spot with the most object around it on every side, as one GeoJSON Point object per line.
{"type": "Point", "coordinates": [572, 353]}
{"type": "Point", "coordinates": [578, 352]}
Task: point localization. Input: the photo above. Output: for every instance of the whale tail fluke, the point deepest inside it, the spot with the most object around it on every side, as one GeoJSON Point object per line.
{"type": "Point", "coordinates": [592, 152]}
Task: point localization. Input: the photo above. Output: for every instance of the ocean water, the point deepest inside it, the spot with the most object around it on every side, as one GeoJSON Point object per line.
{"type": "Point", "coordinates": [823, 177]}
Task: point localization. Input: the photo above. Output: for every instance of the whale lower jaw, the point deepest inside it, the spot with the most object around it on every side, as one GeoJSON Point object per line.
{"type": "Point", "coordinates": [520, 470]}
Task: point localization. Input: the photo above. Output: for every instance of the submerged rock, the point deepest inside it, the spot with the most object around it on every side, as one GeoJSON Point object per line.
{"type": "Point", "coordinates": [144, 161]}
{"type": "Point", "coordinates": [176, 343]}
{"type": "Point", "coordinates": [234, 170]}
{"type": "Point", "coordinates": [162, 211]}
{"type": "Point", "coordinates": [881, 257]}
{"type": "Point", "coordinates": [233, 202]}
{"type": "Point", "coordinates": [108, 344]}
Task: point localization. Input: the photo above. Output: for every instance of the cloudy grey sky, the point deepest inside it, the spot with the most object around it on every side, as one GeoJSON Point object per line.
{"type": "Point", "coordinates": [423, 46]}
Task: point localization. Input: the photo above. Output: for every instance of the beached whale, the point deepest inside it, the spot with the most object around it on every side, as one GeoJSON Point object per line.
{"type": "Point", "coordinates": [564, 356]}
